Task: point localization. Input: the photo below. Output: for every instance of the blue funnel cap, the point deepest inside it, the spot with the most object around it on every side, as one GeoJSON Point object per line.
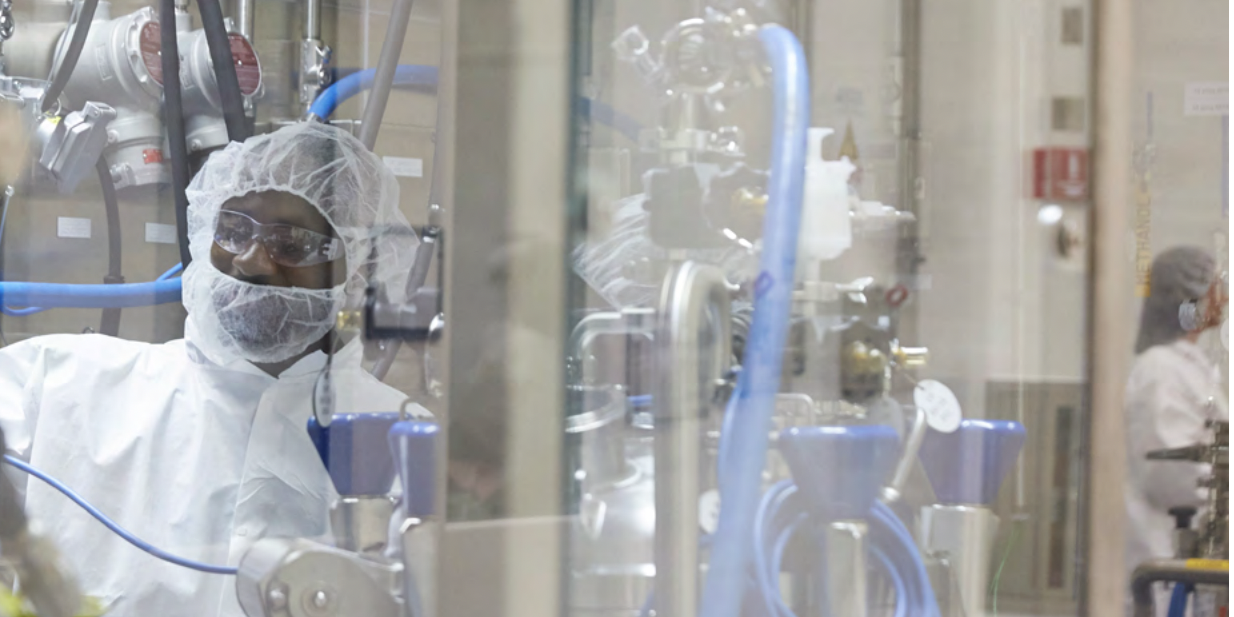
{"type": "Point", "coordinates": [414, 446]}
{"type": "Point", "coordinates": [840, 469]}
{"type": "Point", "coordinates": [353, 449]}
{"type": "Point", "coordinates": [967, 466]}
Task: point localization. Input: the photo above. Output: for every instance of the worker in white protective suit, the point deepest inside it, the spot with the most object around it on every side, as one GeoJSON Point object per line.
{"type": "Point", "coordinates": [199, 446]}
{"type": "Point", "coordinates": [1173, 389]}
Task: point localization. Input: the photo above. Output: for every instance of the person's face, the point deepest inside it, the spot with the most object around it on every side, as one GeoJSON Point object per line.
{"type": "Point", "coordinates": [254, 264]}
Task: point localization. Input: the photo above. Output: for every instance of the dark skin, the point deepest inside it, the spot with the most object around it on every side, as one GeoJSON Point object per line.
{"type": "Point", "coordinates": [255, 266]}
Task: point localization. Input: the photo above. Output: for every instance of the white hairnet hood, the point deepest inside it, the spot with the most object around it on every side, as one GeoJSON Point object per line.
{"type": "Point", "coordinates": [349, 185]}
{"type": "Point", "coordinates": [1179, 274]}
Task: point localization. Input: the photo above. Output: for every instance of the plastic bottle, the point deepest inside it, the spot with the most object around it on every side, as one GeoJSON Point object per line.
{"type": "Point", "coordinates": [826, 230]}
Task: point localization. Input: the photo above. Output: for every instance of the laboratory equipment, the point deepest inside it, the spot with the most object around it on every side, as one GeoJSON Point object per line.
{"type": "Point", "coordinates": [1201, 564]}
{"type": "Point", "coordinates": [966, 468]}
{"type": "Point", "coordinates": [355, 574]}
{"type": "Point", "coordinates": [732, 375]}
{"type": "Point", "coordinates": [711, 350]}
{"type": "Point", "coordinates": [98, 112]}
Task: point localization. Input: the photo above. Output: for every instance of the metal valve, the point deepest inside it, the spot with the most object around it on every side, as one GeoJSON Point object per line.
{"type": "Point", "coordinates": [634, 47]}
{"type": "Point", "coordinates": [909, 357]}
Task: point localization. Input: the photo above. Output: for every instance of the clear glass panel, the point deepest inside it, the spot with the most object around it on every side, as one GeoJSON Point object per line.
{"type": "Point", "coordinates": [1177, 403]}
{"type": "Point", "coordinates": [238, 410]}
{"type": "Point", "coordinates": [600, 307]}
{"type": "Point", "coordinates": [941, 267]}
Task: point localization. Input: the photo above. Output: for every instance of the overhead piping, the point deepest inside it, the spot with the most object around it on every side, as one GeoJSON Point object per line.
{"type": "Point", "coordinates": [387, 64]}
{"type": "Point", "coordinates": [224, 67]}
{"type": "Point", "coordinates": [173, 119]}
{"type": "Point", "coordinates": [68, 62]}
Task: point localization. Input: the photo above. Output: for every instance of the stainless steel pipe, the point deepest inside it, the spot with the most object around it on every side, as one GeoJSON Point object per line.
{"type": "Point", "coordinates": [892, 492]}
{"type": "Point", "coordinates": [391, 49]}
{"type": "Point", "coordinates": [846, 569]}
{"type": "Point", "coordinates": [964, 536]}
{"type": "Point", "coordinates": [694, 301]}
{"type": "Point", "coordinates": [244, 10]}
{"type": "Point", "coordinates": [312, 19]}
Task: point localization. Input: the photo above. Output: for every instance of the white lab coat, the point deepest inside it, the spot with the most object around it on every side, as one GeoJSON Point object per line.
{"type": "Point", "coordinates": [1172, 390]}
{"type": "Point", "coordinates": [197, 458]}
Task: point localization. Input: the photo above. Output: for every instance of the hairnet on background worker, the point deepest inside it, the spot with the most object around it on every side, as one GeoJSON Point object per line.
{"type": "Point", "coordinates": [1178, 275]}
{"type": "Point", "coordinates": [199, 444]}
{"type": "Point", "coordinates": [1173, 389]}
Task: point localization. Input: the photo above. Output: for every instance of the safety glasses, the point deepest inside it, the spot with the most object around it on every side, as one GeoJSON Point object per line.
{"type": "Point", "coordinates": [287, 245]}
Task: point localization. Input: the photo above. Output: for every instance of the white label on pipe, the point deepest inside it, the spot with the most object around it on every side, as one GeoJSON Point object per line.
{"type": "Point", "coordinates": [942, 409]}
{"type": "Point", "coordinates": [159, 233]}
{"type": "Point", "coordinates": [1206, 99]}
{"type": "Point", "coordinates": [69, 227]}
{"type": "Point", "coordinates": [709, 511]}
{"type": "Point", "coordinates": [404, 167]}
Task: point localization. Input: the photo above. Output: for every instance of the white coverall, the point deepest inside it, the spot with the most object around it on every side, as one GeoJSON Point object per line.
{"type": "Point", "coordinates": [1168, 401]}
{"type": "Point", "coordinates": [198, 458]}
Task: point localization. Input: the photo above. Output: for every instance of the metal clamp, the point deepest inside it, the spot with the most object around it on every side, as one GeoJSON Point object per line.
{"type": "Point", "coordinates": [315, 59]}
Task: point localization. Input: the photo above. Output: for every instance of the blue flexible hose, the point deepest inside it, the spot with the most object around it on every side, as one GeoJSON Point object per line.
{"type": "Point", "coordinates": [163, 290]}
{"type": "Point", "coordinates": [420, 76]}
{"type": "Point", "coordinates": [780, 515]}
{"type": "Point", "coordinates": [60, 295]}
{"type": "Point", "coordinates": [405, 75]}
{"type": "Point", "coordinates": [760, 378]}
{"type": "Point", "coordinates": [897, 581]}
{"type": "Point", "coordinates": [777, 561]}
{"type": "Point", "coordinates": [110, 524]}
{"type": "Point", "coordinates": [769, 526]}
{"type": "Point", "coordinates": [1178, 600]}
{"type": "Point", "coordinates": [172, 271]}
{"type": "Point", "coordinates": [906, 549]}
{"type": "Point", "coordinates": [21, 312]}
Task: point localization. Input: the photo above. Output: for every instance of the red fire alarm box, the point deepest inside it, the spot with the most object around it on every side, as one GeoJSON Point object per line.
{"type": "Point", "coordinates": [1060, 173]}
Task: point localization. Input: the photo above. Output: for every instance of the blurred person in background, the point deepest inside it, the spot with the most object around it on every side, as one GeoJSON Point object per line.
{"type": "Point", "coordinates": [1174, 388]}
